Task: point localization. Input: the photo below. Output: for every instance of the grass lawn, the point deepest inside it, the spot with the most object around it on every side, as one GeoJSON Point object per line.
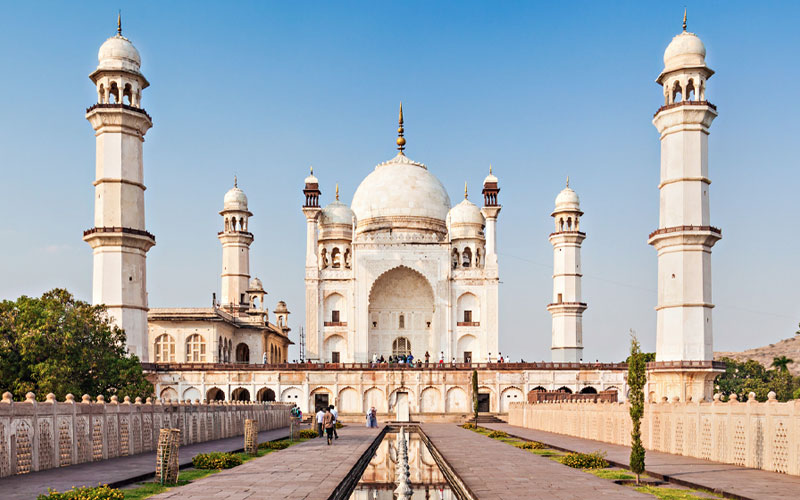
{"type": "Point", "coordinates": [610, 474]}
{"type": "Point", "coordinates": [676, 494]}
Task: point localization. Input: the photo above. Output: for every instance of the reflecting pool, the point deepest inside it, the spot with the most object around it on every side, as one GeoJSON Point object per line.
{"type": "Point", "coordinates": [380, 477]}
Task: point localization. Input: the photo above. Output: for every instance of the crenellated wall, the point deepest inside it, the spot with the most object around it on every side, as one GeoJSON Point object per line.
{"type": "Point", "coordinates": [36, 436]}
{"type": "Point", "coordinates": [750, 434]}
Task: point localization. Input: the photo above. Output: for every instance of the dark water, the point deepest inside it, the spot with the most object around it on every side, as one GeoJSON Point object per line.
{"type": "Point", "coordinates": [379, 479]}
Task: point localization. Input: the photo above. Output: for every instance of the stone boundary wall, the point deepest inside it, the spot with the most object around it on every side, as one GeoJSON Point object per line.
{"type": "Point", "coordinates": [752, 434]}
{"type": "Point", "coordinates": [35, 436]}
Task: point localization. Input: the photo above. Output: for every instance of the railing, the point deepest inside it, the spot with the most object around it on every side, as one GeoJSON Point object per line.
{"type": "Point", "coordinates": [567, 304]}
{"type": "Point", "coordinates": [468, 323]}
{"type": "Point", "coordinates": [321, 366]}
{"type": "Point", "coordinates": [119, 106]}
{"type": "Point", "coordinates": [569, 232]}
{"type": "Point", "coordinates": [685, 103]}
{"type": "Point", "coordinates": [125, 230]}
{"type": "Point", "coordinates": [675, 229]}
{"type": "Point", "coordinates": [568, 397]}
{"type": "Point", "coordinates": [657, 365]}
{"type": "Point", "coordinates": [335, 323]}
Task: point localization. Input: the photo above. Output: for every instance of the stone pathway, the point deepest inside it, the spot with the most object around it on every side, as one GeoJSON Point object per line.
{"type": "Point", "coordinates": [309, 470]}
{"type": "Point", "coordinates": [731, 480]}
{"type": "Point", "coordinates": [116, 471]}
{"type": "Point", "coordinates": [494, 470]}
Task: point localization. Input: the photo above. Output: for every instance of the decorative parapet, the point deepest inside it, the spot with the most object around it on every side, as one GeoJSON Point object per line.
{"type": "Point", "coordinates": [36, 436]}
{"type": "Point", "coordinates": [749, 434]}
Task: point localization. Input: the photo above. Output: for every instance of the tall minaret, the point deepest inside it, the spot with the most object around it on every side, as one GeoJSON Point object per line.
{"type": "Point", "coordinates": [311, 210]}
{"type": "Point", "coordinates": [118, 239]}
{"type": "Point", "coordinates": [567, 308]}
{"type": "Point", "coordinates": [685, 236]}
{"type": "Point", "coordinates": [490, 210]}
{"type": "Point", "coordinates": [236, 240]}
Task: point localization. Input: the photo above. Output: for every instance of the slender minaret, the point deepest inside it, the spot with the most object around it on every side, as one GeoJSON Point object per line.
{"type": "Point", "coordinates": [567, 307]}
{"type": "Point", "coordinates": [312, 210]}
{"type": "Point", "coordinates": [491, 270]}
{"type": "Point", "coordinates": [118, 239]}
{"type": "Point", "coordinates": [685, 236]}
{"type": "Point", "coordinates": [236, 240]}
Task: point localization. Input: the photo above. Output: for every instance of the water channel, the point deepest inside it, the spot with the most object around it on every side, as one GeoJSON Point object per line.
{"type": "Point", "coordinates": [379, 479]}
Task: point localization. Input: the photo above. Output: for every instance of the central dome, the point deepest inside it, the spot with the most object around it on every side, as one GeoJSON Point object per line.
{"type": "Point", "coordinates": [401, 194]}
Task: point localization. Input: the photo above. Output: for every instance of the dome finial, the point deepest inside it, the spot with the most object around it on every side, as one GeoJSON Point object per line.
{"type": "Point", "coordinates": [119, 22]}
{"type": "Point", "coordinates": [465, 190]}
{"type": "Point", "coordinates": [337, 191]}
{"type": "Point", "coordinates": [311, 168]}
{"type": "Point", "coordinates": [684, 19]}
{"type": "Point", "coordinates": [567, 181]}
{"type": "Point", "coordinates": [235, 181]}
{"type": "Point", "coordinates": [490, 169]}
{"type": "Point", "coordinates": [401, 142]}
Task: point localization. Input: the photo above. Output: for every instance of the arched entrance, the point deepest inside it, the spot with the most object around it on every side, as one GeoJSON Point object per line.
{"type": "Point", "coordinates": [266, 394]}
{"type": "Point", "coordinates": [215, 394]}
{"type": "Point", "coordinates": [401, 306]}
{"type": "Point", "coordinates": [240, 394]}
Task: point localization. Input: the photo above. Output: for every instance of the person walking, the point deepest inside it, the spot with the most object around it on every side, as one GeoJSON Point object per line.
{"type": "Point", "coordinates": [328, 424]}
{"type": "Point", "coordinates": [320, 416]}
{"type": "Point", "coordinates": [372, 417]}
{"type": "Point", "coordinates": [427, 357]}
{"type": "Point", "coordinates": [335, 414]}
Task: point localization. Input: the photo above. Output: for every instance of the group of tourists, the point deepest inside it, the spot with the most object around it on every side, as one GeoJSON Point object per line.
{"type": "Point", "coordinates": [408, 359]}
{"type": "Point", "coordinates": [326, 423]}
{"type": "Point", "coordinates": [372, 417]}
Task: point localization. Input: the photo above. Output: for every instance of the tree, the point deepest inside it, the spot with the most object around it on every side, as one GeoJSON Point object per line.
{"type": "Point", "coordinates": [475, 394]}
{"type": "Point", "coordinates": [649, 357]}
{"type": "Point", "coordinates": [62, 345]}
{"type": "Point", "coordinates": [637, 377]}
{"type": "Point", "coordinates": [782, 363]}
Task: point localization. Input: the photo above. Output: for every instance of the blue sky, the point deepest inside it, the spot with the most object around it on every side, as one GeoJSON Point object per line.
{"type": "Point", "coordinates": [541, 90]}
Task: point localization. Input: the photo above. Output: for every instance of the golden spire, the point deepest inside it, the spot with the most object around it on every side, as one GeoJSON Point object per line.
{"type": "Point", "coordinates": [337, 191]}
{"type": "Point", "coordinates": [465, 190]}
{"type": "Point", "coordinates": [401, 142]}
{"type": "Point", "coordinates": [119, 23]}
{"type": "Point", "coordinates": [312, 169]}
{"type": "Point", "coordinates": [684, 19]}
{"type": "Point", "coordinates": [490, 169]}
{"type": "Point", "coordinates": [235, 181]}
{"type": "Point", "coordinates": [567, 181]}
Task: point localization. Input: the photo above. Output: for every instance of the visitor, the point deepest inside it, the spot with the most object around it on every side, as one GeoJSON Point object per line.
{"type": "Point", "coordinates": [374, 359]}
{"type": "Point", "coordinates": [372, 417]}
{"type": "Point", "coordinates": [410, 359]}
{"type": "Point", "coordinates": [500, 355]}
{"type": "Point", "coordinates": [264, 359]}
{"type": "Point", "coordinates": [427, 357]}
{"type": "Point", "coordinates": [320, 417]}
{"type": "Point", "coordinates": [328, 424]}
{"type": "Point", "coordinates": [490, 358]}
{"type": "Point", "coordinates": [335, 414]}
{"type": "Point", "coordinates": [441, 357]}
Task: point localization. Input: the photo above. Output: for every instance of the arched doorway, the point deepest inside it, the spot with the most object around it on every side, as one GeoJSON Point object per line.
{"type": "Point", "coordinates": [401, 305]}
{"type": "Point", "coordinates": [266, 394]}
{"type": "Point", "coordinates": [215, 394]}
{"type": "Point", "coordinates": [242, 353]}
{"type": "Point", "coordinates": [588, 390]}
{"type": "Point", "coordinates": [240, 394]}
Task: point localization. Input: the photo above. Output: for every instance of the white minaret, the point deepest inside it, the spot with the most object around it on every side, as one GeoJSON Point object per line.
{"type": "Point", "coordinates": [685, 236]}
{"type": "Point", "coordinates": [567, 307]}
{"type": "Point", "coordinates": [118, 239]}
{"type": "Point", "coordinates": [312, 210]}
{"type": "Point", "coordinates": [236, 241]}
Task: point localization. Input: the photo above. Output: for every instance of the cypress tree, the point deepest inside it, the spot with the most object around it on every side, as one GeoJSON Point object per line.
{"type": "Point", "coordinates": [636, 380]}
{"type": "Point", "coordinates": [475, 394]}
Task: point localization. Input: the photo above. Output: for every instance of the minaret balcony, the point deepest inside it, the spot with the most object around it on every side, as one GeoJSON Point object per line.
{"type": "Point", "coordinates": [685, 235]}
{"type": "Point", "coordinates": [567, 307]}
{"type": "Point", "coordinates": [684, 103]}
{"type": "Point", "coordinates": [119, 106]}
{"type": "Point", "coordinates": [119, 236]}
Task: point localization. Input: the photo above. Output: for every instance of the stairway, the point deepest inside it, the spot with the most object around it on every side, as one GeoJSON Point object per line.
{"type": "Point", "coordinates": [487, 419]}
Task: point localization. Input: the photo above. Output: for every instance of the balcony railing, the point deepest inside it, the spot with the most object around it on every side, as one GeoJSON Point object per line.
{"type": "Point", "coordinates": [321, 366]}
{"type": "Point", "coordinates": [468, 323]}
{"type": "Point", "coordinates": [119, 106]}
{"type": "Point", "coordinates": [685, 103]}
{"type": "Point", "coordinates": [125, 230]}
{"type": "Point", "coordinates": [675, 229]}
{"type": "Point", "coordinates": [335, 323]}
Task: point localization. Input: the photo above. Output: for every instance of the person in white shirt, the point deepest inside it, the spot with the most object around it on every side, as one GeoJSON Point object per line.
{"type": "Point", "coordinates": [335, 413]}
{"type": "Point", "coordinates": [320, 415]}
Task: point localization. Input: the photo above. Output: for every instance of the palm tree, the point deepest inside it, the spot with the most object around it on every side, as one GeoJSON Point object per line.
{"type": "Point", "coordinates": [782, 363]}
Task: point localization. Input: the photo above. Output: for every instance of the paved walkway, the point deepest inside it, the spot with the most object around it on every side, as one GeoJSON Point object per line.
{"type": "Point", "coordinates": [116, 471]}
{"type": "Point", "coordinates": [309, 470]}
{"type": "Point", "coordinates": [731, 480]}
{"type": "Point", "coordinates": [494, 470]}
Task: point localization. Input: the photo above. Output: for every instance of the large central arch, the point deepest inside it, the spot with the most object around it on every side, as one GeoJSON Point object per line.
{"type": "Point", "coordinates": [401, 304]}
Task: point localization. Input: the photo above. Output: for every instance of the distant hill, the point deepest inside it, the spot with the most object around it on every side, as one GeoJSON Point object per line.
{"type": "Point", "coordinates": [764, 355]}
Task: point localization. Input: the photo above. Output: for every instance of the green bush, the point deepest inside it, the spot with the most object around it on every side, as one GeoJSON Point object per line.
{"type": "Point", "coordinates": [87, 493]}
{"type": "Point", "coordinates": [497, 434]}
{"type": "Point", "coordinates": [530, 445]}
{"type": "Point", "coordinates": [593, 460]}
{"type": "Point", "coordinates": [307, 434]}
{"type": "Point", "coordinates": [215, 460]}
{"type": "Point", "coordinates": [275, 445]}
{"type": "Point", "coordinates": [469, 426]}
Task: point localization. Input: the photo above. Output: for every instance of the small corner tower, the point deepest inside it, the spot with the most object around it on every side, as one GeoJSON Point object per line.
{"type": "Point", "coordinates": [119, 239]}
{"type": "Point", "coordinates": [567, 307]}
{"type": "Point", "coordinates": [684, 236]}
{"type": "Point", "coordinates": [236, 240]}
